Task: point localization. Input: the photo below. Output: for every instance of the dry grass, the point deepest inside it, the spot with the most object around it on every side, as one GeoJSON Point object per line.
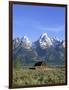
{"type": "Point", "coordinates": [24, 77]}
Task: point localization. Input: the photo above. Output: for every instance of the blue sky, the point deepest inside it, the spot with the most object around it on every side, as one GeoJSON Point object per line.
{"type": "Point", "coordinates": [33, 21]}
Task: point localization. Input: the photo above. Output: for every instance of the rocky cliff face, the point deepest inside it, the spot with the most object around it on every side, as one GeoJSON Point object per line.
{"type": "Point", "coordinates": [45, 48]}
{"type": "Point", "coordinates": [45, 41]}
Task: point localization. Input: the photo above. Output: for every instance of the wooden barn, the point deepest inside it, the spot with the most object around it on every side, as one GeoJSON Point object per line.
{"type": "Point", "coordinates": [40, 65]}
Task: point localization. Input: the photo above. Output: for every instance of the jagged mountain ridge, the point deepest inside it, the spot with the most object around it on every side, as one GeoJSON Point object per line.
{"type": "Point", "coordinates": [44, 49]}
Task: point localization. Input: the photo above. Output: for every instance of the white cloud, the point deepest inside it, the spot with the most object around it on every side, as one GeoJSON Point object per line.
{"type": "Point", "coordinates": [52, 29]}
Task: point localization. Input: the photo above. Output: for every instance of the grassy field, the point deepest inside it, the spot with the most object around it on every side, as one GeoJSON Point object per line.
{"type": "Point", "coordinates": [25, 77]}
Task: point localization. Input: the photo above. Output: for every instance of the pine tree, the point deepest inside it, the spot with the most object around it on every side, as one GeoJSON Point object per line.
{"type": "Point", "coordinates": [17, 63]}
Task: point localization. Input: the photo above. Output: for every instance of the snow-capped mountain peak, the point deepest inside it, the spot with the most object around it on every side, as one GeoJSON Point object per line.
{"type": "Point", "coordinates": [44, 34]}
{"type": "Point", "coordinates": [45, 41]}
{"type": "Point", "coordinates": [24, 38]}
{"type": "Point", "coordinates": [26, 43]}
{"type": "Point", "coordinates": [56, 42]}
{"type": "Point", "coordinates": [16, 42]}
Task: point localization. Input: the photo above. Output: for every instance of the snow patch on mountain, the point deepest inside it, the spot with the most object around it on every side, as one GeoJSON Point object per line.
{"type": "Point", "coordinates": [45, 41]}
{"type": "Point", "coordinates": [16, 42]}
{"type": "Point", "coordinates": [26, 43]}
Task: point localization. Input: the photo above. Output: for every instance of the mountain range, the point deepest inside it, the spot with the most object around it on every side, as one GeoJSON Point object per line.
{"type": "Point", "coordinates": [49, 50]}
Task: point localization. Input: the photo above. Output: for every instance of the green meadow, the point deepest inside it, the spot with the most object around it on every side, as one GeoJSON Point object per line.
{"type": "Point", "coordinates": [46, 75]}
